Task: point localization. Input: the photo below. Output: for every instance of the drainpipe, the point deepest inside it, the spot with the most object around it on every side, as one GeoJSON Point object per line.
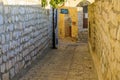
{"type": "Point", "coordinates": [53, 32]}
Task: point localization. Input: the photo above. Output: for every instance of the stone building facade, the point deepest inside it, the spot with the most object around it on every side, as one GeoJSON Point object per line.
{"type": "Point", "coordinates": [25, 32]}
{"type": "Point", "coordinates": [82, 32]}
{"type": "Point", "coordinates": [78, 33]}
{"type": "Point", "coordinates": [72, 12]}
{"type": "Point", "coordinates": [104, 38]}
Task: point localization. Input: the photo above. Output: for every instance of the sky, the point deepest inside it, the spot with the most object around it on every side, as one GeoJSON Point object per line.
{"type": "Point", "coordinates": [71, 3]}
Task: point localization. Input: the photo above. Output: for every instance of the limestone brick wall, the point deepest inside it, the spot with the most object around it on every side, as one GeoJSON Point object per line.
{"type": "Point", "coordinates": [104, 38]}
{"type": "Point", "coordinates": [24, 35]}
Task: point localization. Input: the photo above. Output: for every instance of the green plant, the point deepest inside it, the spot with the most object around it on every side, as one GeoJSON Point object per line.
{"type": "Point", "coordinates": [44, 3]}
{"type": "Point", "coordinates": [56, 3]}
{"type": "Point", "coordinates": [53, 3]}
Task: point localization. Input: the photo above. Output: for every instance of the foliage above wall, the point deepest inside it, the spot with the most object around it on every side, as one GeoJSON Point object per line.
{"type": "Point", "coordinates": [44, 3]}
{"type": "Point", "coordinates": [56, 3]}
{"type": "Point", "coordinates": [53, 3]}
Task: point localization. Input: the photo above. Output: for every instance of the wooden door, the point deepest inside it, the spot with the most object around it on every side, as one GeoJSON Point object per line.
{"type": "Point", "coordinates": [85, 21]}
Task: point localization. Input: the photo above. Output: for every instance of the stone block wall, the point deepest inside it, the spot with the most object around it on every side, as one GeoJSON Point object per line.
{"type": "Point", "coordinates": [50, 27]}
{"type": "Point", "coordinates": [80, 19]}
{"type": "Point", "coordinates": [24, 35]}
{"type": "Point", "coordinates": [104, 38]}
{"type": "Point", "coordinates": [83, 36]}
{"type": "Point", "coordinates": [82, 32]}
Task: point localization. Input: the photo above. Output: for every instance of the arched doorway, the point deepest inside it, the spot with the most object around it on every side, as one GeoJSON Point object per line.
{"type": "Point", "coordinates": [83, 20]}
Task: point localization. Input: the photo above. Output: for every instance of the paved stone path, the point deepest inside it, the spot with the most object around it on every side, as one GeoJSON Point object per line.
{"type": "Point", "coordinates": [71, 61]}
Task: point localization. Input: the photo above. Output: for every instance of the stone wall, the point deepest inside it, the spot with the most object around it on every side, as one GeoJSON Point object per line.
{"type": "Point", "coordinates": [83, 36]}
{"type": "Point", "coordinates": [104, 38]}
{"type": "Point", "coordinates": [24, 35]}
{"type": "Point", "coordinates": [80, 18]}
{"type": "Point", "coordinates": [82, 32]}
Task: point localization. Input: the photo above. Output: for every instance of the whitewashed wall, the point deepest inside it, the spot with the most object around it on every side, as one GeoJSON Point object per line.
{"type": "Point", "coordinates": [25, 32]}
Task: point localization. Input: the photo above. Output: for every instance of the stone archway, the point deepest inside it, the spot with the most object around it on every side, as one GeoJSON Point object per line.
{"type": "Point", "coordinates": [83, 3]}
{"type": "Point", "coordinates": [83, 20]}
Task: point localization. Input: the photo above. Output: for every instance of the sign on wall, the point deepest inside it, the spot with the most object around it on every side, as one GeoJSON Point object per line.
{"type": "Point", "coordinates": [86, 15]}
{"type": "Point", "coordinates": [64, 11]}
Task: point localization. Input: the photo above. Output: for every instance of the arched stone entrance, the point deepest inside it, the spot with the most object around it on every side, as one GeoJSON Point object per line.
{"type": "Point", "coordinates": [83, 20]}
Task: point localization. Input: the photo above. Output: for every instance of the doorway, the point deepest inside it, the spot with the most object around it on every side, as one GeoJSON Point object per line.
{"type": "Point", "coordinates": [85, 16]}
{"type": "Point", "coordinates": [68, 25]}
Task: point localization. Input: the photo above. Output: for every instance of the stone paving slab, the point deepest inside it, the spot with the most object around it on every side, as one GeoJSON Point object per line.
{"type": "Point", "coordinates": [71, 61]}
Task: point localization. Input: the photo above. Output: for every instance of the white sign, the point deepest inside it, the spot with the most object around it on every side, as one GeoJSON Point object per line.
{"type": "Point", "coordinates": [86, 15]}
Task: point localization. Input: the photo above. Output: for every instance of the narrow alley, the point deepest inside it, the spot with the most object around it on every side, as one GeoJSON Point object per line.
{"type": "Point", "coordinates": [71, 61]}
{"type": "Point", "coordinates": [59, 39]}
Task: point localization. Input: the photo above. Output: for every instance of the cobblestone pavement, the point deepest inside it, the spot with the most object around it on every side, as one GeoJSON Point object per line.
{"type": "Point", "coordinates": [71, 61]}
